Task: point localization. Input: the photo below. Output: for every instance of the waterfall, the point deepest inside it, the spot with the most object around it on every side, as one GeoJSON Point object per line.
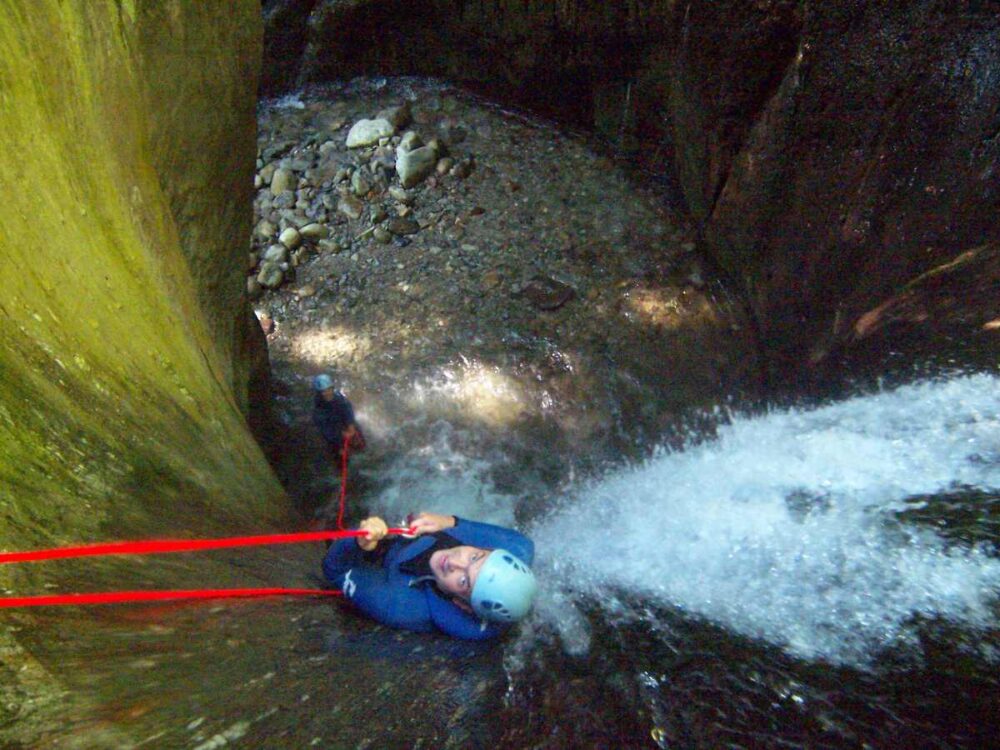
{"type": "Point", "coordinates": [786, 526]}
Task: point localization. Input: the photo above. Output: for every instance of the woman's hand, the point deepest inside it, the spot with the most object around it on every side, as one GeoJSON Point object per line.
{"type": "Point", "coordinates": [376, 529]}
{"type": "Point", "coordinates": [428, 523]}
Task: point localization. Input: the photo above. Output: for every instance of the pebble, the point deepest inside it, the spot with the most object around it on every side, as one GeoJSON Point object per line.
{"type": "Point", "coordinates": [314, 231]}
{"type": "Point", "coordinates": [413, 166]}
{"type": "Point", "coordinates": [271, 275]}
{"type": "Point", "coordinates": [285, 200]}
{"type": "Point", "coordinates": [400, 195]}
{"type": "Point", "coordinates": [267, 172]}
{"type": "Point", "coordinates": [350, 206]}
{"type": "Point", "coordinates": [359, 184]}
{"type": "Point", "coordinates": [404, 226]}
{"type": "Point", "coordinates": [410, 141]}
{"type": "Point", "coordinates": [265, 229]}
{"type": "Point", "coordinates": [462, 169]}
{"type": "Point", "coordinates": [382, 235]}
{"type": "Point", "coordinates": [368, 132]}
{"type": "Point", "coordinates": [276, 254]}
{"type": "Point", "coordinates": [290, 238]}
{"type": "Point", "coordinates": [283, 180]}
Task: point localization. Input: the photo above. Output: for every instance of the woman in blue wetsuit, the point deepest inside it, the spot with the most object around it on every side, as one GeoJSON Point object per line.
{"type": "Point", "coordinates": [467, 579]}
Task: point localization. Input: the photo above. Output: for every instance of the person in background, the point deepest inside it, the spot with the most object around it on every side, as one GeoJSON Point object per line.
{"type": "Point", "coordinates": [467, 579]}
{"type": "Point", "coordinates": [333, 416]}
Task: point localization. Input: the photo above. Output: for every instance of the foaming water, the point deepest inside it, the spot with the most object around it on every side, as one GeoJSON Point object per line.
{"type": "Point", "coordinates": [472, 390]}
{"type": "Point", "coordinates": [785, 527]}
{"type": "Point", "coordinates": [437, 474]}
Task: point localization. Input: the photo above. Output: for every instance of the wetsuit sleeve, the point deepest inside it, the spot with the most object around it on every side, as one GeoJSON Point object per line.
{"type": "Point", "coordinates": [372, 590]}
{"type": "Point", "coordinates": [491, 537]}
{"type": "Point", "coordinates": [460, 624]}
{"type": "Point", "coordinates": [343, 555]}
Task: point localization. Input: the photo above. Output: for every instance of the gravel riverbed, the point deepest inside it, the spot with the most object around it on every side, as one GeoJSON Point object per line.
{"type": "Point", "coordinates": [550, 290]}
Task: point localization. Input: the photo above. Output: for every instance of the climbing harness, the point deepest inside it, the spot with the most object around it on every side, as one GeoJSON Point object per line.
{"type": "Point", "coordinates": [161, 546]}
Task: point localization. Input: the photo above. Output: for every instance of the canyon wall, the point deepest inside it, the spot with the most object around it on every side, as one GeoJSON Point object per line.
{"type": "Point", "coordinates": [127, 138]}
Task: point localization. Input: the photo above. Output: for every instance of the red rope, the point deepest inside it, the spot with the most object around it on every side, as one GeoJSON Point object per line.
{"type": "Point", "coordinates": [113, 597]}
{"type": "Point", "coordinates": [157, 546]}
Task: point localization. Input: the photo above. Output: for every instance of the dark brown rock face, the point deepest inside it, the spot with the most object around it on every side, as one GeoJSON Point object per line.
{"type": "Point", "coordinates": [832, 153]}
{"type": "Point", "coordinates": [874, 162]}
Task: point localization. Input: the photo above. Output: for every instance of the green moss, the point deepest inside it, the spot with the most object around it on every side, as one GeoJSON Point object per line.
{"type": "Point", "coordinates": [126, 130]}
{"type": "Point", "coordinates": [121, 254]}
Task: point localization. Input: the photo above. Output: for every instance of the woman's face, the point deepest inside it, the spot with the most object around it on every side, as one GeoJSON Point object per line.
{"type": "Point", "coordinates": [456, 569]}
{"type": "Point", "coordinates": [328, 393]}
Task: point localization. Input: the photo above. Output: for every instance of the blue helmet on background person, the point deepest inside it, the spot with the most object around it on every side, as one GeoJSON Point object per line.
{"type": "Point", "coordinates": [504, 588]}
{"type": "Point", "coordinates": [322, 382]}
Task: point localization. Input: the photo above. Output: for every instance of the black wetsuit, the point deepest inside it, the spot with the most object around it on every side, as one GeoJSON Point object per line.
{"type": "Point", "coordinates": [332, 418]}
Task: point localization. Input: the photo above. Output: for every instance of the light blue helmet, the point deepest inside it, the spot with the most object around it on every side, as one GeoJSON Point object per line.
{"type": "Point", "coordinates": [504, 588]}
{"type": "Point", "coordinates": [322, 382]}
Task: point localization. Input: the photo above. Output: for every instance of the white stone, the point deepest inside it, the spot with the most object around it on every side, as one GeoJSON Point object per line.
{"type": "Point", "coordinates": [368, 132]}
{"type": "Point", "coordinates": [276, 254]}
{"type": "Point", "coordinates": [290, 238]}
{"type": "Point", "coordinates": [413, 166]}
{"type": "Point", "coordinates": [282, 180]}
{"type": "Point", "coordinates": [314, 231]}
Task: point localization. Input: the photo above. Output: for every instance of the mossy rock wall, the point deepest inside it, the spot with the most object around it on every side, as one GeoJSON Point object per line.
{"type": "Point", "coordinates": [127, 143]}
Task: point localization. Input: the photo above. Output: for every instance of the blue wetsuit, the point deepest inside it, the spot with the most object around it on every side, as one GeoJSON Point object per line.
{"type": "Point", "coordinates": [403, 600]}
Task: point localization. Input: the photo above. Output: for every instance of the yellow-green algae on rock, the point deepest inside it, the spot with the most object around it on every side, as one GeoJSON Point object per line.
{"type": "Point", "coordinates": [126, 158]}
{"type": "Point", "coordinates": [122, 230]}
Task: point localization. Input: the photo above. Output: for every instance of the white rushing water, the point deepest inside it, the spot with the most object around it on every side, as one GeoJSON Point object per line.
{"type": "Point", "coordinates": [440, 478]}
{"type": "Point", "coordinates": [783, 528]}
